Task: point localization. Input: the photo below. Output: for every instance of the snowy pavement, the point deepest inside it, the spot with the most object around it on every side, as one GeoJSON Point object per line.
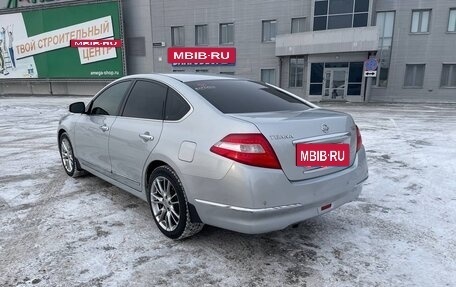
{"type": "Point", "coordinates": [60, 231]}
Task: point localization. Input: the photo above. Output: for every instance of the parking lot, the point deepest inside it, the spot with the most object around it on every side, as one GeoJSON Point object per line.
{"type": "Point", "coordinates": [60, 231]}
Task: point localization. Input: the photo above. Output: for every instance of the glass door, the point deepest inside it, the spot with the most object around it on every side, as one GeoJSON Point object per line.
{"type": "Point", "coordinates": [335, 84]}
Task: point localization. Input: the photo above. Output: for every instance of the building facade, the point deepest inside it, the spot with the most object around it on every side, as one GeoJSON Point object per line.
{"type": "Point", "coordinates": [313, 48]}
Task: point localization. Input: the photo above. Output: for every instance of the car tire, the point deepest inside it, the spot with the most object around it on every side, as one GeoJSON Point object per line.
{"type": "Point", "coordinates": [69, 161]}
{"type": "Point", "coordinates": [168, 204]}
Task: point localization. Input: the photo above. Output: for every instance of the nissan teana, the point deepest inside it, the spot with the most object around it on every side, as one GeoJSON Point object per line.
{"type": "Point", "coordinates": [229, 152]}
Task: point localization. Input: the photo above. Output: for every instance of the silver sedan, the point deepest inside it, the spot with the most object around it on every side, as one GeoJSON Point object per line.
{"type": "Point", "coordinates": [233, 153]}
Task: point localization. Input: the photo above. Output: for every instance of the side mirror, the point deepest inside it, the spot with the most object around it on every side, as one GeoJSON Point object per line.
{"type": "Point", "coordinates": [77, 108]}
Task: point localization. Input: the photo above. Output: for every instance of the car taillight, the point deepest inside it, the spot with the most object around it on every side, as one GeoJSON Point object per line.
{"type": "Point", "coordinates": [359, 139]}
{"type": "Point", "coordinates": [250, 149]}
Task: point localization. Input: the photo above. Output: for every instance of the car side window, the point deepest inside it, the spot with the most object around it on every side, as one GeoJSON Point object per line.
{"type": "Point", "coordinates": [109, 101]}
{"type": "Point", "coordinates": [146, 101]}
{"type": "Point", "coordinates": [176, 106]}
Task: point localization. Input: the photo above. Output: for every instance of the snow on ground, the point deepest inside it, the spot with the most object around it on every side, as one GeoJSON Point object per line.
{"type": "Point", "coordinates": [59, 231]}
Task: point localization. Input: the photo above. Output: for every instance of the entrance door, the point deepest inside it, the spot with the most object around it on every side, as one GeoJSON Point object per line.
{"type": "Point", "coordinates": [335, 84]}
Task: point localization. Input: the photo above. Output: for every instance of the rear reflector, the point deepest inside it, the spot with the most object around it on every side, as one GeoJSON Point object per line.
{"type": "Point", "coordinates": [250, 149]}
{"type": "Point", "coordinates": [327, 206]}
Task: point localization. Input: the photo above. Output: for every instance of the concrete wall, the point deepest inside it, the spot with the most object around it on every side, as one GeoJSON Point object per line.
{"type": "Point", "coordinates": [138, 23]}
{"type": "Point", "coordinates": [76, 88]}
{"type": "Point", "coordinates": [328, 41]}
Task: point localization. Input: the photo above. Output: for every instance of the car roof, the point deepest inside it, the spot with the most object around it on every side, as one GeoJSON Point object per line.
{"type": "Point", "coordinates": [182, 77]}
{"type": "Point", "coordinates": [197, 77]}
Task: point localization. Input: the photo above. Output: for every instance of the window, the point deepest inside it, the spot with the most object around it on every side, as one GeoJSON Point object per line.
{"type": "Point", "coordinates": [242, 96]}
{"type": "Point", "coordinates": [414, 76]}
{"type": "Point", "coordinates": [385, 24]}
{"type": "Point", "coordinates": [176, 106]}
{"type": "Point", "coordinates": [362, 6]}
{"type": "Point", "coordinates": [340, 6]}
{"type": "Point", "coordinates": [321, 7]}
{"type": "Point", "coordinates": [336, 14]}
{"type": "Point", "coordinates": [316, 78]}
{"type": "Point", "coordinates": [109, 101]}
{"type": "Point", "coordinates": [201, 35]}
{"type": "Point", "coordinates": [298, 25]}
{"type": "Point", "coordinates": [340, 21]}
{"type": "Point", "coordinates": [296, 71]}
{"type": "Point", "coordinates": [227, 34]}
{"type": "Point", "coordinates": [452, 21]}
{"type": "Point", "coordinates": [320, 23]}
{"type": "Point", "coordinates": [268, 76]}
{"type": "Point", "coordinates": [360, 20]}
{"type": "Point", "coordinates": [420, 21]}
{"type": "Point", "coordinates": [227, 73]}
{"type": "Point", "coordinates": [355, 78]}
{"type": "Point", "coordinates": [269, 30]}
{"type": "Point", "coordinates": [145, 101]}
{"type": "Point", "coordinates": [177, 36]}
{"type": "Point", "coordinates": [448, 76]}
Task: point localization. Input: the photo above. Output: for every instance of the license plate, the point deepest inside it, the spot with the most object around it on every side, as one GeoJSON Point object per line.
{"type": "Point", "coordinates": [314, 154]}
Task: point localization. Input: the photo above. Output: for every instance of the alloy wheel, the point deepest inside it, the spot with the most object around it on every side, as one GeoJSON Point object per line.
{"type": "Point", "coordinates": [165, 203]}
{"type": "Point", "coordinates": [67, 155]}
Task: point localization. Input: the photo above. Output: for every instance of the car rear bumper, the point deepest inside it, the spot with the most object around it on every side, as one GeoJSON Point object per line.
{"type": "Point", "coordinates": [261, 220]}
{"type": "Point", "coordinates": [253, 200]}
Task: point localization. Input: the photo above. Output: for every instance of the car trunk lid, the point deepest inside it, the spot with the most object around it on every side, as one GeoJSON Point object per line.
{"type": "Point", "coordinates": [285, 129]}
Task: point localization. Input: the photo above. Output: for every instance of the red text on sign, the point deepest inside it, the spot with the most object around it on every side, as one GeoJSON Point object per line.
{"type": "Point", "coordinates": [95, 43]}
{"type": "Point", "coordinates": [322, 155]}
{"type": "Point", "coordinates": [202, 55]}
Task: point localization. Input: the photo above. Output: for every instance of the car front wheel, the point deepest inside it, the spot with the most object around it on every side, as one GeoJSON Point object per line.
{"type": "Point", "coordinates": [68, 159]}
{"type": "Point", "coordinates": [169, 205]}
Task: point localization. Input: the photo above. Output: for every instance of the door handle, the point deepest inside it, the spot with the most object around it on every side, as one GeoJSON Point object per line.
{"type": "Point", "coordinates": [104, 128]}
{"type": "Point", "coordinates": [146, 137]}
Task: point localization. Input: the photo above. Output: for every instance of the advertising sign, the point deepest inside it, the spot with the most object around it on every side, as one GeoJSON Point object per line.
{"type": "Point", "coordinates": [11, 4]}
{"type": "Point", "coordinates": [310, 154]}
{"type": "Point", "coordinates": [38, 43]}
{"type": "Point", "coordinates": [202, 55]}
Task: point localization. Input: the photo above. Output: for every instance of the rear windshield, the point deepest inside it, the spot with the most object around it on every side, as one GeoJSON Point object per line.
{"type": "Point", "coordinates": [242, 96]}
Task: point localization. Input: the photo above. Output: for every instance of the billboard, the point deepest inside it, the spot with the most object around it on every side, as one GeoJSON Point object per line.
{"type": "Point", "coordinates": [37, 43]}
{"type": "Point", "coordinates": [8, 4]}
